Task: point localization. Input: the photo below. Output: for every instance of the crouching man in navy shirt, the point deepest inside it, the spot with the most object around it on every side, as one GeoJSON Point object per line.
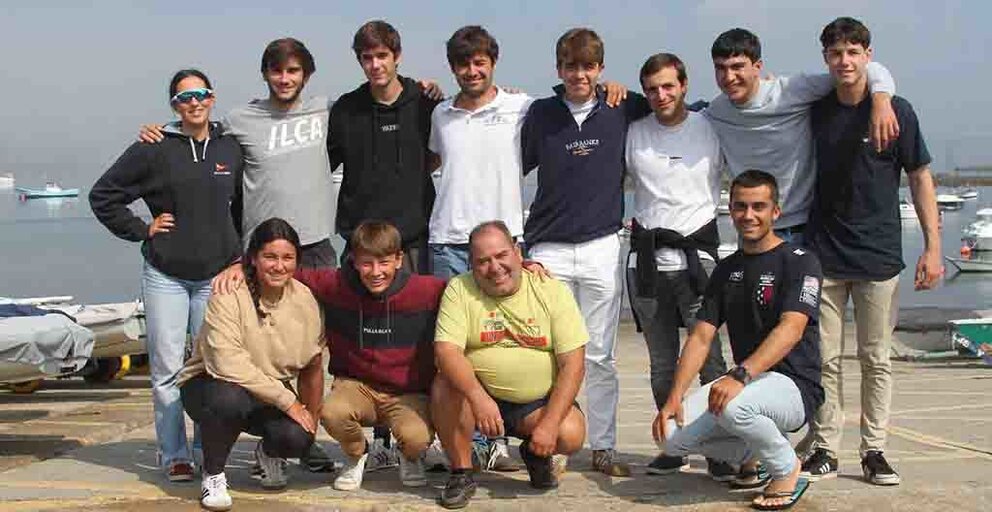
{"type": "Point", "coordinates": [768, 293]}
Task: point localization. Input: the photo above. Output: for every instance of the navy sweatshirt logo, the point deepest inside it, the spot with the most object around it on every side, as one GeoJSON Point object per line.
{"type": "Point", "coordinates": [582, 147]}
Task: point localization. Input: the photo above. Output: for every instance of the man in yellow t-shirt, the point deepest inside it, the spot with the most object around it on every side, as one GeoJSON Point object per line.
{"type": "Point", "coordinates": [510, 349]}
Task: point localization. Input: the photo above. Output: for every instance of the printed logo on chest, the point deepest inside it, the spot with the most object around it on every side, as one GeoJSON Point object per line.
{"type": "Point", "coordinates": [288, 135]}
{"type": "Point", "coordinates": [496, 329]}
{"type": "Point", "coordinates": [766, 289]}
{"type": "Point", "coordinates": [582, 147]}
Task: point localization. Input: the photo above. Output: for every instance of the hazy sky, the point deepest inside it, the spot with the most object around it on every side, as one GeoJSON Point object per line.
{"type": "Point", "coordinates": [77, 81]}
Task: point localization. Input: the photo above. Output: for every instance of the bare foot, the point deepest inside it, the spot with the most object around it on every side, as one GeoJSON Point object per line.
{"type": "Point", "coordinates": [783, 485]}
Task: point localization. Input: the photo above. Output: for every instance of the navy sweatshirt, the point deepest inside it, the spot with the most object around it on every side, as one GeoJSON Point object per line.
{"type": "Point", "coordinates": [580, 184]}
{"type": "Point", "coordinates": [195, 182]}
{"type": "Point", "coordinates": [384, 151]}
{"type": "Point", "coordinates": [384, 341]}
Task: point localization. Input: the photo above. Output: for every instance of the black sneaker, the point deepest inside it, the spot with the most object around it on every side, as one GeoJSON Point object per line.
{"type": "Point", "coordinates": [720, 471]}
{"type": "Point", "coordinates": [877, 470]}
{"type": "Point", "coordinates": [458, 491]}
{"type": "Point", "coordinates": [667, 464]}
{"type": "Point", "coordinates": [819, 466]}
{"type": "Point", "coordinates": [539, 469]}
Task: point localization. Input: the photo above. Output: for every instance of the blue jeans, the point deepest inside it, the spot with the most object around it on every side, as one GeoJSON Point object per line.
{"type": "Point", "coordinates": [753, 425]}
{"type": "Point", "coordinates": [793, 234]}
{"type": "Point", "coordinates": [449, 260]}
{"type": "Point", "coordinates": [173, 308]}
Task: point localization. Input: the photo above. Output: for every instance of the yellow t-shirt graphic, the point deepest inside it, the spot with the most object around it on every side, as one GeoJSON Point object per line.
{"type": "Point", "coordinates": [512, 341]}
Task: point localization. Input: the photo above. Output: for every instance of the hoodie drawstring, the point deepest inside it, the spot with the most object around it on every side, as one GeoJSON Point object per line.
{"type": "Point", "coordinates": [192, 149]}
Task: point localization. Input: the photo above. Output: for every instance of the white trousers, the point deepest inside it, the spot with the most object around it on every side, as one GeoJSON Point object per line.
{"type": "Point", "coordinates": [593, 272]}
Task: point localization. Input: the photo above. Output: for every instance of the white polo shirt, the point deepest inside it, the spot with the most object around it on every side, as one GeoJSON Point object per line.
{"type": "Point", "coordinates": [675, 171]}
{"type": "Point", "coordinates": [480, 166]}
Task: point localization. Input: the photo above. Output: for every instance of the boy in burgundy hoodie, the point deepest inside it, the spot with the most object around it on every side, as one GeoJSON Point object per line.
{"type": "Point", "coordinates": [379, 320]}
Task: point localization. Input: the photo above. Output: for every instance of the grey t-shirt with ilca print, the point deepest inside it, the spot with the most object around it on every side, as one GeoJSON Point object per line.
{"type": "Point", "coordinates": [286, 172]}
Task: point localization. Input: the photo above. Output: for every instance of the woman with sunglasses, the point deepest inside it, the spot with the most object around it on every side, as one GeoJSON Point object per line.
{"type": "Point", "coordinates": [188, 183]}
{"type": "Point", "coordinates": [257, 341]}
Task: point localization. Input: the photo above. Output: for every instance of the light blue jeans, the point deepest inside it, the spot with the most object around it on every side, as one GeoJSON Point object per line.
{"type": "Point", "coordinates": [449, 260]}
{"type": "Point", "coordinates": [173, 308]}
{"type": "Point", "coordinates": [752, 425]}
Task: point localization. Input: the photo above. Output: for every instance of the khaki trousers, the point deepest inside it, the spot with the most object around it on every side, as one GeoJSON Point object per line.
{"type": "Point", "coordinates": [874, 308]}
{"type": "Point", "coordinates": [352, 405]}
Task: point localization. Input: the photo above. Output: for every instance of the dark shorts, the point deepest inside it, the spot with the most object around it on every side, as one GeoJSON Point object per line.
{"type": "Point", "coordinates": [513, 414]}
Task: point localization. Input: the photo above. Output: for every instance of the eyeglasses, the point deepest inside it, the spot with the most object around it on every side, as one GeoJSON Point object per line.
{"type": "Point", "coordinates": [188, 95]}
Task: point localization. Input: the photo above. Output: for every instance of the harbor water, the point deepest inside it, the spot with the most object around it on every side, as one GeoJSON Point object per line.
{"type": "Point", "coordinates": [56, 247]}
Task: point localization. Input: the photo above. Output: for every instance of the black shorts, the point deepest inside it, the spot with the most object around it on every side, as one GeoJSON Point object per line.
{"type": "Point", "coordinates": [513, 414]}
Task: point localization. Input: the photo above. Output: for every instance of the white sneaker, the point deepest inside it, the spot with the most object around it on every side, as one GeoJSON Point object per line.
{"type": "Point", "coordinates": [215, 496]}
{"type": "Point", "coordinates": [273, 469]}
{"type": "Point", "coordinates": [381, 457]}
{"type": "Point", "coordinates": [352, 474]}
{"type": "Point", "coordinates": [435, 459]}
{"type": "Point", "coordinates": [559, 464]}
{"type": "Point", "coordinates": [412, 472]}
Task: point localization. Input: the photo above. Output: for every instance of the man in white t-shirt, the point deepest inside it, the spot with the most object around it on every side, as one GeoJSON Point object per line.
{"type": "Point", "coordinates": [476, 135]}
{"type": "Point", "coordinates": [674, 162]}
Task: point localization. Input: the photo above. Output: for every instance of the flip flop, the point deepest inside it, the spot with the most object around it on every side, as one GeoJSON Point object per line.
{"type": "Point", "coordinates": [751, 479]}
{"type": "Point", "coordinates": [801, 485]}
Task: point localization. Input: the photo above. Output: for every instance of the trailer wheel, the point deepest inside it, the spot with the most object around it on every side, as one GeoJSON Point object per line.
{"type": "Point", "coordinates": [26, 388]}
{"type": "Point", "coordinates": [107, 369]}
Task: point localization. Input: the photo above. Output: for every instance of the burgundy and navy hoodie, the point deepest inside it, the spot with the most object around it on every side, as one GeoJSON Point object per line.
{"type": "Point", "coordinates": [384, 152]}
{"type": "Point", "coordinates": [385, 341]}
{"type": "Point", "coordinates": [580, 182]}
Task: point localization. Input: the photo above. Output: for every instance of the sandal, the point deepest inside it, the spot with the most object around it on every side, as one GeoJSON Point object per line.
{"type": "Point", "coordinates": [801, 485]}
{"type": "Point", "coordinates": [751, 478]}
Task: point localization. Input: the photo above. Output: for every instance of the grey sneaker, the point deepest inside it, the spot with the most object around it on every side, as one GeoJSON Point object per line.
{"type": "Point", "coordinates": [605, 461]}
{"type": "Point", "coordinates": [381, 457]}
{"type": "Point", "coordinates": [412, 472]}
{"type": "Point", "coordinates": [317, 460]}
{"type": "Point", "coordinates": [435, 460]}
{"type": "Point", "coordinates": [458, 491]}
{"type": "Point", "coordinates": [273, 469]}
{"type": "Point", "coordinates": [499, 459]}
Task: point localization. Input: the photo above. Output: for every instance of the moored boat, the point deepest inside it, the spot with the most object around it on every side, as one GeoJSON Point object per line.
{"type": "Point", "coordinates": [51, 189]}
{"type": "Point", "coordinates": [6, 180]}
{"type": "Point", "coordinates": [949, 202]}
{"type": "Point", "coordinates": [978, 234]}
{"type": "Point", "coordinates": [970, 265]}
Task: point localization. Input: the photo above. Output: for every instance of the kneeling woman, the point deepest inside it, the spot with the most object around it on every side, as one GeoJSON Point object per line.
{"type": "Point", "coordinates": [254, 341]}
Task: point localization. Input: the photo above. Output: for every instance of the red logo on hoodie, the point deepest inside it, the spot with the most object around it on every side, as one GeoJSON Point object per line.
{"type": "Point", "coordinates": [221, 169]}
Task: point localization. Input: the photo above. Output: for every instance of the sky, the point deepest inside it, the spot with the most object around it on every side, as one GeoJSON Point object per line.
{"type": "Point", "coordinates": [78, 80]}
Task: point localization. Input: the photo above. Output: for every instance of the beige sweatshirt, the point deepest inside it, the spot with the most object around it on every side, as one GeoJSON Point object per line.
{"type": "Point", "coordinates": [260, 356]}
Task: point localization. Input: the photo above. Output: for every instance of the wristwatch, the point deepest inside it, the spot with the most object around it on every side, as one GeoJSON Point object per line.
{"type": "Point", "coordinates": [740, 374]}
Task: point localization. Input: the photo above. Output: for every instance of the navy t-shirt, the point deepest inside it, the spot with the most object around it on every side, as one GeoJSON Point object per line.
{"type": "Point", "coordinates": [750, 292]}
{"type": "Point", "coordinates": [854, 225]}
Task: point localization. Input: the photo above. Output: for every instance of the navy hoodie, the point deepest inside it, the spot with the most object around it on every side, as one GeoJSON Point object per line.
{"type": "Point", "coordinates": [384, 151]}
{"type": "Point", "coordinates": [580, 184]}
{"type": "Point", "coordinates": [195, 181]}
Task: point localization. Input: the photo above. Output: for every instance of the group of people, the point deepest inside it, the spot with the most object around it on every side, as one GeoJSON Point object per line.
{"type": "Point", "coordinates": [436, 325]}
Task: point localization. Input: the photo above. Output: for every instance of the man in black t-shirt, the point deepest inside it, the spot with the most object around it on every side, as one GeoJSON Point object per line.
{"type": "Point", "coordinates": [768, 294]}
{"type": "Point", "coordinates": [855, 230]}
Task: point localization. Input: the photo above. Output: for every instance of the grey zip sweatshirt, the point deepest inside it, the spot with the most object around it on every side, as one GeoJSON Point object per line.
{"type": "Point", "coordinates": [773, 132]}
{"type": "Point", "coordinates": [286, 171]}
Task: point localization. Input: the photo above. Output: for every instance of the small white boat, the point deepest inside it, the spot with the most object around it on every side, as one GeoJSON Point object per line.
{"type": "Point", "coordinates": [6, 180]}
{"type": "Point", "coordinates": [436, 174]}
{"type": "Point", "coordinates": [949, 202]}
{"type": "Point", "coordinates": [970, 265]}
{"type": "Point", "coordinates": [967, 193]}
{"type": "Point", "coordinates": [978, 234]}
{"type": "Point", "coordinates": [51, 189]}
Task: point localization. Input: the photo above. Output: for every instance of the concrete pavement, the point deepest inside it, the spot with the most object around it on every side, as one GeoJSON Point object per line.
{"type": "Point", "coordinates": [73, 446]}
